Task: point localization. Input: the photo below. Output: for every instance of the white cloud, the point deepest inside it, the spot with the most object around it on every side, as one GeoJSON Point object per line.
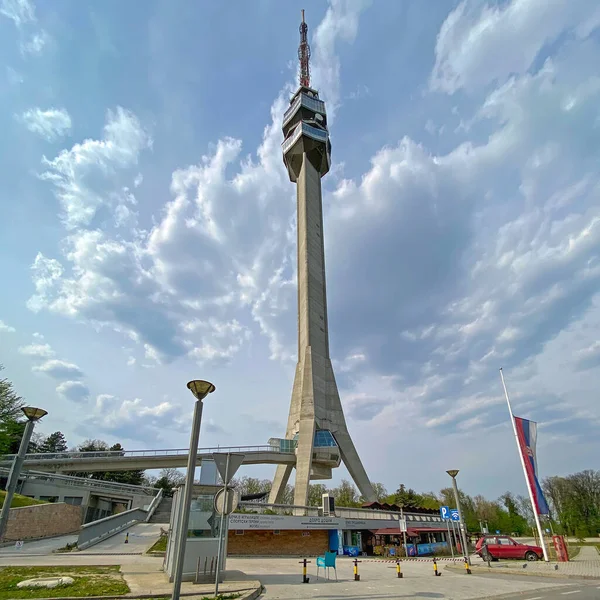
{"type": "Point", "coordinates": [49, 124]}
{"type": "Point", "coordinates": [6, 328]}
{"type": "Point", "coordinates": [339, 24]}
{"type": "Point", "coordinates": [441, 266]}
{"type": "Point", "coordinates": [19, 11]}
{"type": "Point", "coordinates": [134, 419]}
{"type": "Point", "coordinates": [59, 369]}
{"type": "Point", "coordinates": [37, 350]}
{"type": "Point", "coordinates": [485, 43]}
{"type": "Point", "coordinates": [75, 172]}
{"type": "Point", "coordinates": [35, 44]}
{"type": "Point", "coordinates": [75, 391]}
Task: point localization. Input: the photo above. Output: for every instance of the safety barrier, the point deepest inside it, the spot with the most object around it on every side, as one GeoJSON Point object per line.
{"type": "Point", "coordinates": [154, 505]}
{"type": "Point", "coordinates": [97, 531]}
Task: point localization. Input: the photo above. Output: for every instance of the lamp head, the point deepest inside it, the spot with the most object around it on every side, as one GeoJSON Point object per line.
{"type": "Point", "coordinates": [34, 414]}
{"type": "Point", "coordinates": [453, 473]}
{"type": "Point", "coordinates": [200, 388]}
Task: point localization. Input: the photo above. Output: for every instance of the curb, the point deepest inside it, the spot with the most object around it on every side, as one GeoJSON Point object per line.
{"type": "Point", "coordinates": [526, 573]}
{"type": "Point", "coordinates": [251, 595]}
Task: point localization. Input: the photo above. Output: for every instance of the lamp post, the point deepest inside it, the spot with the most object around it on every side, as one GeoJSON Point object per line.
{"type": "Point", "coordinates": [33, 415]}
{"type": "Point", "coordinates": [200, 389]}
{"type": "Point", "coordinates": [462, 526]}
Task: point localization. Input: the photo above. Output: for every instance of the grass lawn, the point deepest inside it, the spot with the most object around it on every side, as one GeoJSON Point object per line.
{"type": "Point", "coordinates": [89, 581]}
{"type": "Point", "coordinates": [573, 551]}
{"type": "Point", "coordinates": [219, 597]}
{"type": "Point", "coordinates": [19, 500]}
{"type": "Point", "coordinates": [160, 545]}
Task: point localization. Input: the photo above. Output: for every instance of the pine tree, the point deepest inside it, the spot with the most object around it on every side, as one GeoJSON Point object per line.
{"type": "Point", "coordinates": [55, 442]}
{"type": "Point", "coordinates": [11, 426]}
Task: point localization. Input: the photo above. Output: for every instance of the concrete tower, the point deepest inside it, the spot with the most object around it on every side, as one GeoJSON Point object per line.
{"type": "Point", "coordinates": [316, 425]}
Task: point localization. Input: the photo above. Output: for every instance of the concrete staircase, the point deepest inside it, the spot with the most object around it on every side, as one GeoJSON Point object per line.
{"type": "Point", "coordinates": [163, 512]}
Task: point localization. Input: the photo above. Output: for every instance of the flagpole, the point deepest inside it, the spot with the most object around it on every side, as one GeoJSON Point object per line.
{"type": "Point", "coordinates": [529, 488]}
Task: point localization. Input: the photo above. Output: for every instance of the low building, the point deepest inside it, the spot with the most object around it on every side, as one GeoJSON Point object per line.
{"type": "Point", "coordinates": [97, 498]}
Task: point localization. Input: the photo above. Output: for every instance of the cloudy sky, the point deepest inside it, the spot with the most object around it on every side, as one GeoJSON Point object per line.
{"type": "Point", "coordinates": [148, 225]}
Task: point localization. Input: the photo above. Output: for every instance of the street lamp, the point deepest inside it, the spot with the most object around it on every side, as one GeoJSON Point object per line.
{"type": "Point", "coordinates": [200, 389]}
{"type": "Point", "coordinates": [33, 415]}
{"type": "Point", "coordinates": [462, 526]}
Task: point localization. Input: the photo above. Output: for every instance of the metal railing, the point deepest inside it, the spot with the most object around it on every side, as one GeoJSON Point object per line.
{"type": "Point", "coordinates": [278, 509]}
{"type": "Point", "coordinates": [341, 511]}
{"type": "Point", "coordinates": [312, 103]}
{"type": "Point", "coordinates": [303, 129]}
{"type": "Point", "coordinates": [98, 531]}
{"type": "Point", "coordinates": [154, 505]}
{"type": "Point", "coordinates": [144, 453]}
{"type": "Point", "coordinates": [69, 480]}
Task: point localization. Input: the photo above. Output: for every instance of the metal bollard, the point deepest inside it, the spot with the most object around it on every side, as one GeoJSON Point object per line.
{"type": "Point", "coordinates": [356, 575]}
{"type": "Point", "coordinates": [398, 569]}
{"type": "Point", "coordinates": [304, 562]}
{"type": "Point", "coordinates": [126, 538]}
{"type": "Point", "coordinates": [435, 569]}
{"type": "Point", "coordinates": [467, 569]}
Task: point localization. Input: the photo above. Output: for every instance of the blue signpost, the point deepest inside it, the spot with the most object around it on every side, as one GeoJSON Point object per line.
{"type": "Point", "coordinates": [445, 513]}
{"type": "Point", "coordinates": [454, 514]}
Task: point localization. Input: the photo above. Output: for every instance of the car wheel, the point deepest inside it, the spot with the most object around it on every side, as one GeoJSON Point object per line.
{"type": "Point", "coordinates": [531, 556]}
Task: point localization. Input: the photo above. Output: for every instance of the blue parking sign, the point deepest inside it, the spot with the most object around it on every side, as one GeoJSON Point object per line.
{"type": "Point", "coordinates": [445, 513]}
{"type": "Point", "coordinates": [454, 514]}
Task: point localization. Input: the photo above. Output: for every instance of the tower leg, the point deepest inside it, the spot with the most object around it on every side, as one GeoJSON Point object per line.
{"type": "Point", "coordinates": [306, 438]}
{"type": "Point", "coordinates": [354, 465]}
{"type": "Point", "coordinates": [282, 475]}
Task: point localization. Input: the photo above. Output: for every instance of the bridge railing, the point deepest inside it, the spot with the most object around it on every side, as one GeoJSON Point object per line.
{"type": "Point", "coordinates": [98, 531]}
{"type": "Point", "coordinates": [143, 453]}
{"type": "Point", "coordinates": [341, 511]}
{"type": "Point", "coordinates": [97, 484]}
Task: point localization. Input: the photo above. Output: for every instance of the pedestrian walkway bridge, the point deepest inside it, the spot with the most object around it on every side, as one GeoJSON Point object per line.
{"type": "Point", "coordinates": [120, 460]}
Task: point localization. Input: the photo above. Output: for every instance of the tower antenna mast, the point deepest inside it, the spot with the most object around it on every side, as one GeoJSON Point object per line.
{"type": "Point", "coordinates": [304, 54]}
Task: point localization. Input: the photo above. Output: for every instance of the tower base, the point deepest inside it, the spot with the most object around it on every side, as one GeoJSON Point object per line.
{"type": "Point", "coordinates": [310, 424]}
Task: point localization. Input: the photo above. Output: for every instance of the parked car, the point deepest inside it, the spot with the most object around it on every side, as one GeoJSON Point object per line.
{"type": "Point", "coordinates": [493, 547]}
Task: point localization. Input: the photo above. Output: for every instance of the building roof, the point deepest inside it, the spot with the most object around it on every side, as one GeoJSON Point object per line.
{"type": "Point", "coordinates": [396, 508]}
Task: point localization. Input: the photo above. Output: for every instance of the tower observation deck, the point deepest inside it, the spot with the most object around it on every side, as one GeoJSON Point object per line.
{"type": "Point", "coordinates": [316, 424]}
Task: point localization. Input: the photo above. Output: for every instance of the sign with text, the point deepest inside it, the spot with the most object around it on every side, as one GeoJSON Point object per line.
{"type": "Point", "coordinates": [253, 521]}
{"type": "Point", "coordinates": [445, 513]}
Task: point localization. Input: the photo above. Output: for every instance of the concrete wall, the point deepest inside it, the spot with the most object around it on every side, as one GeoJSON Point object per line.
{"type": "Point", "coordinates": [44, 489]}
{"type": "Point", "coordinates": [288, 542]}
{"type": "Point", "coordinates": [43, 520]}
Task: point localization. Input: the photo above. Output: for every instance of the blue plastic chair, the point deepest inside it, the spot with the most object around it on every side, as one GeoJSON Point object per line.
{"type": "Point", "coordinates": [327, 562]}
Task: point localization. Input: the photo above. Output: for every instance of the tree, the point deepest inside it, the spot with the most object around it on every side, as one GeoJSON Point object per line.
{"type": "Point", "coordinates": [406, 497]}
{"type": "Point", "coordinates": [11, 425]}
{"type": "Point", "coordinates": [131, 477]}
{"type": "Point", "coordinates": [55, 442]}
{"type": "Point", "coordinates": [247, 486]}
{"type": "Point", "coordinates": [380, 491]}
{"type": "Point", "coordinates": [315, 494]}
{"type": "Point", "coordinates": [516, 522]}
{"type": "Point", "coordinates": [345, 494]}
{"type": "Point", "coordinates": [169, 479]}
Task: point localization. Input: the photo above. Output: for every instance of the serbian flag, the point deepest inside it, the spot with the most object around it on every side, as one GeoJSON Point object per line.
{"type": "Point", "coordinates": [527, 436]}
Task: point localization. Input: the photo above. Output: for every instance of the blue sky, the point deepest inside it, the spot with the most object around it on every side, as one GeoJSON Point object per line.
{"type": "Point", "coordinates": [148, 230]}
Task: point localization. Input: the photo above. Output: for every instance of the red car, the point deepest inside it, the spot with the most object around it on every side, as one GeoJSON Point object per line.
{"type": "Point", "coordinates": [493, 547]}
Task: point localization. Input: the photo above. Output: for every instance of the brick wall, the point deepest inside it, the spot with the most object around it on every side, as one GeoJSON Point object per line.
{"type": "Point", "coordinates": [288, 542]}
{"type": "Point", "coordinates": [43, 520]}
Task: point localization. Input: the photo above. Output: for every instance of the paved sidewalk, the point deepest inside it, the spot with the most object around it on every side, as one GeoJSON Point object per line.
{"type": "Point", "coordinates": [587, 554]}
{"type": "Point", "coordinates": [587, 567]}
{"type": "Point", "coordinates": [282, 580]}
